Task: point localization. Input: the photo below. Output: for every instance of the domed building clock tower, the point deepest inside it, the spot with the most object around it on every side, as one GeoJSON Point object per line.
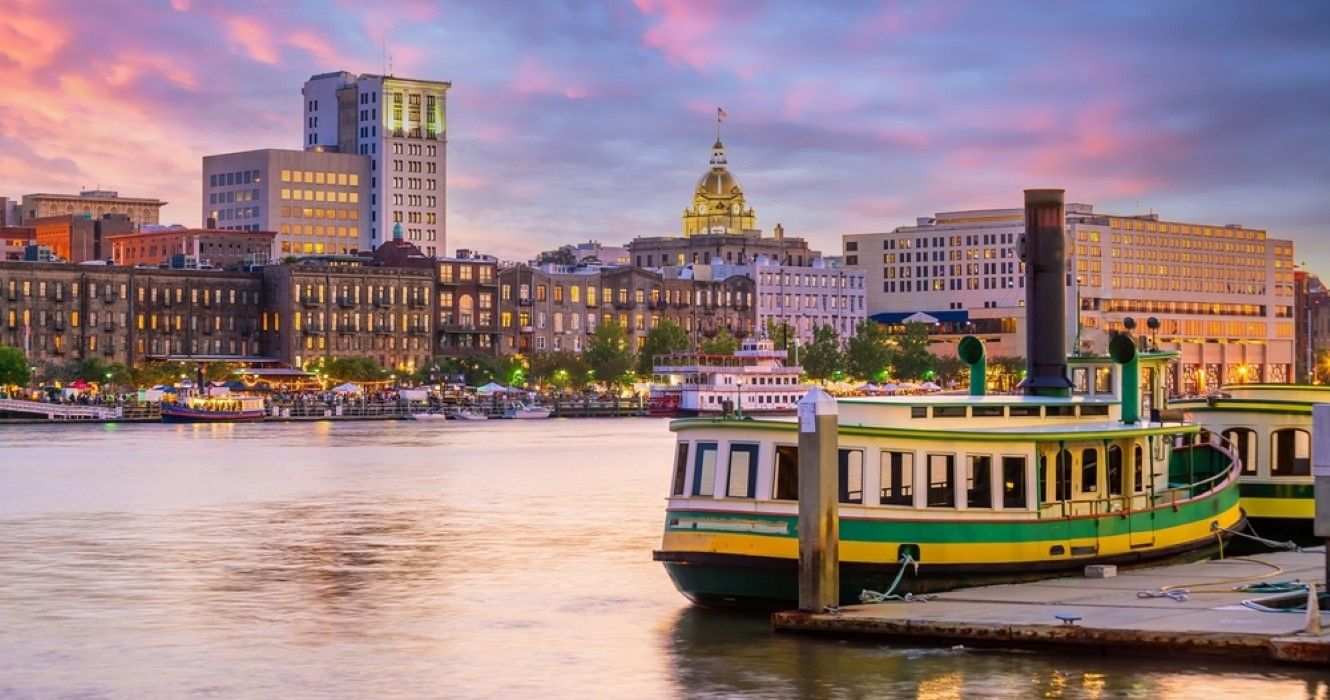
{"type": "Point", "coordinates": [718, 201]}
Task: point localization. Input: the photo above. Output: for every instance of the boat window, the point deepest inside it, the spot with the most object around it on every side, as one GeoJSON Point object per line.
{"type": "Point", "coordinates": [1114, 470]}
{"type": "Point", "coordinates": [1103, 380]}
{"type": "Point", "coordinates": [979, 481]}
{"type": "Point", "coordinates": [988, 411]}
{"type": "Point", "coordinates": [1062, 476]}
{"type": "Point", "coordinates": [787, 473]}
{"type": "Point", "coordinates": [704, 469]}
{"type": "Point", "coordinates": [1013, 482]}
{"type": "Point", "coordinates": [897, 473]}
{"type": "Point", "coordinates": [918, 411]}
{"type": "Point", "coordinates": [680, 468]}
{"type": "Point", "coordinates": [941, 478]}
{"type": "Point", "coordinates": [1080, 380]}
{"type": "Point", "coordinates": [743, 471]}
{"type": "Point", "coordinates": [1060, 411]}
{"type": "Point", "coordinates": [851, 474]}
{"type": "Point", "coordinates": [1291, 452]}
{"type": "Point", "coordinates": [1089, 470]}
{"type": "Point", "coordinates": [1138, 471]}
{"type": "Point", "coordinates": [1243, 442]}
{"type": "Point", "coordinates": [949, 411]}
{"type": "Point", "coordinates": [1094, 410]}
{"type": "Point", "coordinates": [1025, 411]}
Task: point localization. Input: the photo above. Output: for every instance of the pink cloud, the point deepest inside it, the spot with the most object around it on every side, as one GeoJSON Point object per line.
{"type": "Point", "coordinates": [696, 34]}
{"type": "Point", "coordinates": [252, 38]}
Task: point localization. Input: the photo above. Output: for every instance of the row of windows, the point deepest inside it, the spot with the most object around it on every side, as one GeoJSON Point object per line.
{"type": "Point", "coordinates": [16, 289]}
{"type": "Point", "coordinates": [320, 196]}
{"type": "Point", "coordinates": [247, 195]}
{"type": "Point", "coordinates": [236, 213]}
{"type": "Point", "coordinates": [344, 214]}
{"type": "Point", "coordinates": [321, 177]}
{"type": "Point", "coordinates": [243, 177]}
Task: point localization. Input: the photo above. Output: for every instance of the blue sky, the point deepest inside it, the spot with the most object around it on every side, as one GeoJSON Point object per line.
{"type": "Point", "coordinates": [571, 121]}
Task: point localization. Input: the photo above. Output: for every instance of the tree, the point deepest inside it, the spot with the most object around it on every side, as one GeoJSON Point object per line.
{"type": "Point", "coordinates": [781, 334]}
{"type": "Point", "coordinates": [723, 343]}
{"type": "Point", "coordinates": [822, 358]}
{"type": "Point", "coordinates": [952, 368]}
{"type": "Point", "coordinates": [1004, 372]}
{"type": "Point", "coordinates": [14, 368]}
{"type": "Point", "coordinates": [608, 354]}
{"type": "Point", "coordinates": [666, 337]}
{"type": "Point", "coordinates": [154, 374]}
{"type": "Point", "coordinates": [560, 369]}
{"type": "Point", "coordinates": [911, 359]}
{"type": "Point", "coordinates": [867, 354]}
{"type": "Point", "coordinates": [562, 255]}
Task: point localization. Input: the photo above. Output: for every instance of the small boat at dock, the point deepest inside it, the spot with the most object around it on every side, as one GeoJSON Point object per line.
{"type": "Point", "coordinates": [229, 408]}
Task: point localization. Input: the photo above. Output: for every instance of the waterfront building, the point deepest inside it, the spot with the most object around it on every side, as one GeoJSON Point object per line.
{"type": "Point", "coordinates": [804, 298]}
{"type": "Point", "coordinates": [314, 200]}
{"type": "Point", "coordinates": [337, 306]}
{"type": "Point", "coordinates": [9, 212]}
{"type": "Point", "coordinates": [60, 313]}
{"type": "Point", "coordinates": [400, 126]}
{"type": "Point", "coordinates": [704, 304]}
{"type": "Point", "coordinates": [14, 240]}
{"type": "Point", "coordinates": [468, 305]}
{"type": "Point", "coordinates": [181, 247]}
{"type": "Point", "coordinates": [1223, 294]}
{"type": "Point", "coordinates": [78, 237]}
{"type": "Point", "coordinates": [92, 204]}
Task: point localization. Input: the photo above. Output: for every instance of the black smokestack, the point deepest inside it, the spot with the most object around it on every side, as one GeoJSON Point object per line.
{"type": "Point", "coordinates": [1044, 250]}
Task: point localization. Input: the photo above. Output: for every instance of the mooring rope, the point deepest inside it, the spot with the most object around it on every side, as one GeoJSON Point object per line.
{"type": "Point", "coordinates": [867, 596]}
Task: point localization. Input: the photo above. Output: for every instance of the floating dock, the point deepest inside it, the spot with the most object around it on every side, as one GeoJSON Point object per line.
{"type": "Point", "coordinates": [1109, 615]}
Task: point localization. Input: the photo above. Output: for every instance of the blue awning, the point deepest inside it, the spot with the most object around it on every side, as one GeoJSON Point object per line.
{"type": "Point", "coordinates": [898, 317]}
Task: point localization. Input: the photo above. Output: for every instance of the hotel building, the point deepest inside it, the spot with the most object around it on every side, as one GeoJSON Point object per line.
{"type": "Point", "coordinates": [400, 126]}
{"type": "Point", "coordinates": [313, 200]}
{"type": "Point", "coordinates": [1223, 294]}
{"type": "Point", "coordinates": [93, 204]}
{"type": "Point", "coordinates": [191, 248]}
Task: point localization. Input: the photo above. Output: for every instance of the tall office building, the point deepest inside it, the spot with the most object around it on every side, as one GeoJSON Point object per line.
{"type": "Point", "coordinates": [400, 125]}
{"type": "Point", "coordinates": [315, 201]}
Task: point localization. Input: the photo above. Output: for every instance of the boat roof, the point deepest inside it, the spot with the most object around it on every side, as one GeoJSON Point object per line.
{"type": "Point", "coordinates": [962, 431]}
{"type": "Point", "coordinates": [985, 400]}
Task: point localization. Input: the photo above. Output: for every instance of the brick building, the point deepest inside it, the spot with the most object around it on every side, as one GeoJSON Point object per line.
{"type": "Point", "coordinates": [78, 238]}
{"type": "Point", "coordinates": [467, 305]}
{"type": "Point", "coordinates": [202, 247]}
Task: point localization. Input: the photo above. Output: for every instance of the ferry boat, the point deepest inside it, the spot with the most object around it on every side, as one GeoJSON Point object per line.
{"type": "Point", "coordinates": [753, 381]}
{"type": "Point", "coordinates": [962, 490]}
{"type": "Point", "coordinates": [231, 408]}
{"type": "Point", "coordinates": [1269, 427]}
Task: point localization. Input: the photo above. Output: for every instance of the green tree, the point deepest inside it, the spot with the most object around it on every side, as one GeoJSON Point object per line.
{"type": "Point", "coordinates": [560, 369]}
{"type": "Point", "coordinates": [154, 374]}
{"type": "Point", "coordinates": [951, 368]}
{"type": "Point", "coordinates": [1005, 371]}
{"type": "Point", "coordinates": [14, 368]}
{"type": "Point", "coordinates": [608, 354]}
{"type": "Point", "coordinates": [723, 343]}
{"type": "Point", "coordinates": [911, 358]}
{"type": "Point", "coordinates": [562, 255]}
{"type": "Point", "coordinates": [782, 335]}
{"type": "Point", "coordinates": [822, 358]}
{"type": "Point", "coordinates": [867, 354]}
{"type": "Point", "coordinates": [665, 338]}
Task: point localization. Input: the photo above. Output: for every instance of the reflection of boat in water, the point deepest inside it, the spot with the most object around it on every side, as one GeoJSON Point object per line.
{"type": "Point", "coordinates": [1269, 427]}
{"type": "Point", "coordinates": [525, 411]}
{"type": "Point", "coordinates": [231, 408]}
{"type": "Point", "coordinates": [972, 489]}
{"type": "Point", "coordinates": [753, 381]}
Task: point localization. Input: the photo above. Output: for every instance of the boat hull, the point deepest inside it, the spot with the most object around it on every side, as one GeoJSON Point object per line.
{"type": "Point", "coordinates": [172, 414]}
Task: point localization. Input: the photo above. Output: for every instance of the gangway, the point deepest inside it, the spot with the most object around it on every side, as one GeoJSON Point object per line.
{"type": "Point", "coordinates": [59, 411]}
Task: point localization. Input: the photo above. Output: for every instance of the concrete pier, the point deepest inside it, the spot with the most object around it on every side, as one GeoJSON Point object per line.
{"type": "Point", "coordinates": [1105, 615]}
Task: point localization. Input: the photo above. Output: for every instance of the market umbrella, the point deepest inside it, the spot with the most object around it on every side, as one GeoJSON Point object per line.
{"type": "Point", "coordinates": [347, 388]}
{"type": "Point", "coordinates": [491, 388]}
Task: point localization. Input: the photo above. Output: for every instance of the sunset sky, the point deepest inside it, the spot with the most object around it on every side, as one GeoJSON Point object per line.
{"type": "Point", "coordinates": [571, 121]}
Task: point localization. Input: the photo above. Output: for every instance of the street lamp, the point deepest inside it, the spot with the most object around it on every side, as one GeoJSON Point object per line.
{"type": "Point", "coordinates": [739, 410]}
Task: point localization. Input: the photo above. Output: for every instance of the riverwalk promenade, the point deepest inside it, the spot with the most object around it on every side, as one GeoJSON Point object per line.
{"type": "Point", "coordinates": [1189, 609]}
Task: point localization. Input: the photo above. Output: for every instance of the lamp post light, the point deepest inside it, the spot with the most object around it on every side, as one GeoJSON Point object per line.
{"type": "Point", "coordinates": [739, 408]}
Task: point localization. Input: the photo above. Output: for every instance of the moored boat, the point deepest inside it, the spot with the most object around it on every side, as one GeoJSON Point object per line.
{"type": "Point", "coordinates": [470, 414]}
{"type": "Point", "coordinates": [230, 408]}
{"type": "Point", "coordinates": [755, 380]}
{"type": "Point", "coordinates": [962, 490]}
{"type": "Point", "coordinates": [524, 411]}
{"type": "Point", "coordinates": [430, 415]}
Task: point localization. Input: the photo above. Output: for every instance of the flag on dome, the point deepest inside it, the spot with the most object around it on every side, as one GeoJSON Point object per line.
{"type": "Point", "coordinates": [720, 114]}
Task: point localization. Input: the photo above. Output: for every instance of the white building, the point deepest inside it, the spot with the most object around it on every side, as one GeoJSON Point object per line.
{"type": "Point", "coordinates": [400, 125]}
{"type": "Point", "coordinates": [314, 200]}
{"type": "Point", "coordinates": [1223, 294]}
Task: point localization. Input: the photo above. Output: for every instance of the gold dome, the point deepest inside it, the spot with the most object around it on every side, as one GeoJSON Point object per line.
{"type": "Point", "coordinates": [718, 200]}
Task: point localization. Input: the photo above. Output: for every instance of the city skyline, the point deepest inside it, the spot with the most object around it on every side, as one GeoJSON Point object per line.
{"type": "Point", "coordinates": [570, 124]}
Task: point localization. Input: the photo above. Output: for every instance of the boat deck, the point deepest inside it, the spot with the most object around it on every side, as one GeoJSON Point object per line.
{"type": "Point", "coordinates": [1112, 618]}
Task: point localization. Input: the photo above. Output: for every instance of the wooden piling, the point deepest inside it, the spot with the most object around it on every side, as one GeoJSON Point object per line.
{"type": "Point", "coordinates": [819, 522]}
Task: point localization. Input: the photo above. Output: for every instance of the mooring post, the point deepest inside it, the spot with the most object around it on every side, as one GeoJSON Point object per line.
{"type": "Point", "coordinates": [1321, 472]}
{"type": "Point", "coordinates": [819, 522]}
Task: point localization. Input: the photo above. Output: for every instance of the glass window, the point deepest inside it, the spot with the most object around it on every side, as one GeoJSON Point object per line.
{"type": "Point", "coordinates": [1089, 470]}
{"type": "Point", "coordinates": [1243, 443]}
{"type": "Point", "coordinates": [1062, 476]}
{"type": "Point", "coordinates": [1114, 470]}
{"type": "Point", "coordinates": [1291, 452]}
{"type": "Point", "coordinates": [1013, 482]}
{"type": "Point", "coordinates": [979, 481]}
{"type": "Point", "coordinates": [851, 476]}
{"type": "Point", "coordinates": [680, 469]}
{"type": "Point", "coordinates": [704, 469]}
{"type": "Point", "coordinates": [743, 471]}
{"type": "Point", "coordinates": [941, 478]}
{"type": "Point", "coordinates": [787, 473]}
{"type": "Point", "coordinates": [897, 472]}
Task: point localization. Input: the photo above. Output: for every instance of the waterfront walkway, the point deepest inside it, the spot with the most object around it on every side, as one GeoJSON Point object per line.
{"type": "Point", "coordinates": [1108, 615]}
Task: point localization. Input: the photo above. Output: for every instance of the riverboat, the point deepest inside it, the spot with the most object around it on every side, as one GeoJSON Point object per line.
{"type": "Point", "coordinates": [755, 380]}
{"type": "Point", "coordinates": [1269, 427]}
{"type": "Point", "coordinates": [231, 408]}
{"type": "Point", "coordinates": [523, 411]}
{"type": "Point", "coordinates": [958, 490]}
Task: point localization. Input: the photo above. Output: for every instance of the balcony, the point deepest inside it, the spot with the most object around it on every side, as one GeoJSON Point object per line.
{"type": "Point", "coordinates": [382, 328]}
{"type": "Point", "coordinates": [108, 349]}
{"type": "Point", "coordinates": [109, 298]}
{"type": "Point", "coordinates": [310, 301]}
{"type": "Point", "coordinates": [524, 302]}
{"type": "Point", "coordinates": [381, 302]}
{"type": "Point", "coordinates": [108, 326]}
{"type": "Point", "coordinates": [206, 330]}
{"type": "Point", "coordinates": [624, 305]}
{"type": "Point", "coordinates": [58, 324]}
{"type": "Point", "coordinates": [528, 329]}
{"type": "Point", "coordinates": [418, 329]}
{"type": "Point", "coordinates": [346, 302]}
{"type": "Point", "coordinates": [416, 303]}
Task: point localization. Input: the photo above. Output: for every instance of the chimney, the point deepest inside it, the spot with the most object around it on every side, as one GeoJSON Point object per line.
{"type": "Point", "coordinates": [1043, 248]}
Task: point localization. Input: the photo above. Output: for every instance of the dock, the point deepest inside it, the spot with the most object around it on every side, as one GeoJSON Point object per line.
{"type": "Point", "coordinates": [1108, 615]}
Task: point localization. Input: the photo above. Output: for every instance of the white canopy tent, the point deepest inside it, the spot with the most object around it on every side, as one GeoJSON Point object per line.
{"type": "Point", "coordinates": [919, 317]}
{"type": "Point", "coordinates": [347, 388]}
{"type": "Point", "coordinates": [492, 388]}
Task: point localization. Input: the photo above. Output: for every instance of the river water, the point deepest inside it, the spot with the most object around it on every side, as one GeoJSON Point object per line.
{"type": "Point", "coordinates": [504, 559]}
